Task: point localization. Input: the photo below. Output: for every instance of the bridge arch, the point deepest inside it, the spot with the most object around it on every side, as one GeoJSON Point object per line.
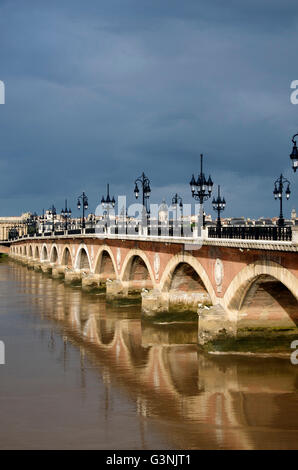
{"type": "Point", "coordinates": [263, 290]}
{"type": "Point", "coordinates": [187, 263]}
{"type": "Point", "coordinates": [136, 265]}
{"type": "Point", "coordinates": [44, 253]}
{"type": "Point", "coordinates": [82, 260]}
{"type": "Point", "coordinates": [105, 262]}
{"type": "Point", "coordinates": [25, 250]}
{"type": "Point", "coordinates": [54, 254]}
{"type": "Point", "coordinates": [66, 259]}
{"type": "Point", "coordinates": [30, 251]}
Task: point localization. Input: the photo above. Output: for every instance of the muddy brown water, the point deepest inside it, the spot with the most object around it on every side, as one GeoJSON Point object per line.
{"type": "Point", "coordinates": [83, 374]}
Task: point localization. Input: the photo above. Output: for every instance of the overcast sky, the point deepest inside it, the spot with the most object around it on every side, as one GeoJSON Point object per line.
{"type": "Point", "coordinates": [99, 91]}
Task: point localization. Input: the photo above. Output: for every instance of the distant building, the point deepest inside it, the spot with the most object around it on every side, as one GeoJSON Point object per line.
{"type": "Point", "coordinates": [15, 224]}
{"type": "Point", "coordinates": [163, 214]}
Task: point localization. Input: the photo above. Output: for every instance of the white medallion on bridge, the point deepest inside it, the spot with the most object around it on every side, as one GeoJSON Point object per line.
{"type": "Point", "coordinates": [156, 265]}
{"type": "Point", "coordinates": [218, 274]}
{"type": "Point", "coordinates": [118, 258]}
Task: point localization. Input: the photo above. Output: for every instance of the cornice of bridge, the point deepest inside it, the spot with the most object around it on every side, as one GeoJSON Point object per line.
{"type": "Point", "coordinates": [192, 244]}
{"type": "Point", "coordinates": [253, 244]}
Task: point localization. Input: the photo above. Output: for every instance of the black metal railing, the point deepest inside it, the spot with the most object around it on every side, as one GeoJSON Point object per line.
{"type": "Point", "coordinates": [251, 233]}
{"type": "Point", "coordinates": [74, 231]}
{"type": "Point", "coordinates": [273, 233]}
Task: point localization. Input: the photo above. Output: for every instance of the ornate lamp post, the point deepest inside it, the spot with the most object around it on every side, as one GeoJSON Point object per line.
{"type": "Point", "coordinates": [219, 205]}
{"type": "Point", "coordinates": [13, 233]}
{"type": "Point", "coordinates": [34, 220]}
{"type": "Point", "coordinates": [278, 194]}
{"type": "Point", "coordinates": [84, 200]}
{"type": "Point", "coordinates": [53, 213]}
{"type": "Point", "coordinates": [92, 220]}
{"type": "Point", "coordinates": [201, 189]}
{"type": "Point", "coordinates": [177, 200]}
{"type": "Point", "coordinates": [144, 181]}
{"type": "Point", "coordinates": [31, 223]}
{"type": "Point", "coordinates": [108, 203]}
{"type": "Point", "coordinates": [294, 154]}
{"type": "Point", "coordinates": [42, 220]}
{"type": "Point", "coordinates": [66, 214]}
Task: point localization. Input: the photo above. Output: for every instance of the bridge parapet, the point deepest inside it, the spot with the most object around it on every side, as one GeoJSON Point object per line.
{"type": "Point", "coordinates": [189, 243]}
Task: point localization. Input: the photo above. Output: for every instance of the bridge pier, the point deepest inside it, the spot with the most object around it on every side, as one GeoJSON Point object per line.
{"type": "Point", "coordinates": [46, 268]}
{"type": "Point", "coordinates": [116, 289]}
{"type": "Point", "coordinates": [31, 263]}
{"type": "Point", "coordinates": [155, 302]}
{"type": "Point", "coordinates": [214, 323]}
{"type": "Point", "coordinates": [182, 301]}
{"type": "Point", "coordinates": [125, 289]}
{"type": "Point", "coordinates": [91, 281]}
{"type": "Point", "coordinates": [58, 272]}
{"type": "Point", "coordinates": [37, 266]}
{"type": "Point", "coordinates": [72, 276]}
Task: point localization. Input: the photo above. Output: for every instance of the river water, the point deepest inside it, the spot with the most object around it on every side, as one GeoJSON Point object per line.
{"type": "Point", "coordinates": [81, 373]}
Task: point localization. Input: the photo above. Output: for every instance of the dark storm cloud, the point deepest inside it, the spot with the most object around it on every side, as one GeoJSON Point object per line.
{"type": "Point", "coordinates": [100, 91]}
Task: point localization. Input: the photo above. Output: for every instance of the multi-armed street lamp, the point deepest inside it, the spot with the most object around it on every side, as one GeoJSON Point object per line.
{"type": "Point", "coordinates": [52, 212]}
{"type": "Point", "coordinates": [144, 181]}
{"type": "Point", "coordinates": [294, 154]}
{"type": "Point", "coordinates": [91, 220]}
{"type": "Point", "coordinates": [177, 201]}
{"type": "Point", "coordinates": [42, 220]}
{"type": "Point", "coordinates": [84, 200]}
{"type": "Point", "coordinates": [201, 189]}
{"type": "Point", "coordinates": [66, 214]}
{"type": "Point", "coordinates": [278, 194]}
{"type": "Point", "coordinates": [13, 233]}
{"type": "Point", "coordinates": [219, 205]}
{"type": "Point", "coordinates": [31, 223]}
{"type": "Point", "coordinates": [108, 203]}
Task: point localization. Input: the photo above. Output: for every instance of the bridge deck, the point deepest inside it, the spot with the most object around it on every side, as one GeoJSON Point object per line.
{"type": "Point", "coordinates": [189, 242]}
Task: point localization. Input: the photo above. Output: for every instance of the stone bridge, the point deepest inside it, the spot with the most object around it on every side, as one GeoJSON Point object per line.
{"type": "Point", "coordinates": [232, 284]}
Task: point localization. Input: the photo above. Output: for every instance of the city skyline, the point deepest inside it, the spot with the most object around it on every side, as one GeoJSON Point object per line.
{"type": "Point", "coordinates": [95, 95]}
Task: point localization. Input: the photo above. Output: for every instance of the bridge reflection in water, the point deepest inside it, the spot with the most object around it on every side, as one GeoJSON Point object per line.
{"type": "Point", "coordinates": [196, 400]}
